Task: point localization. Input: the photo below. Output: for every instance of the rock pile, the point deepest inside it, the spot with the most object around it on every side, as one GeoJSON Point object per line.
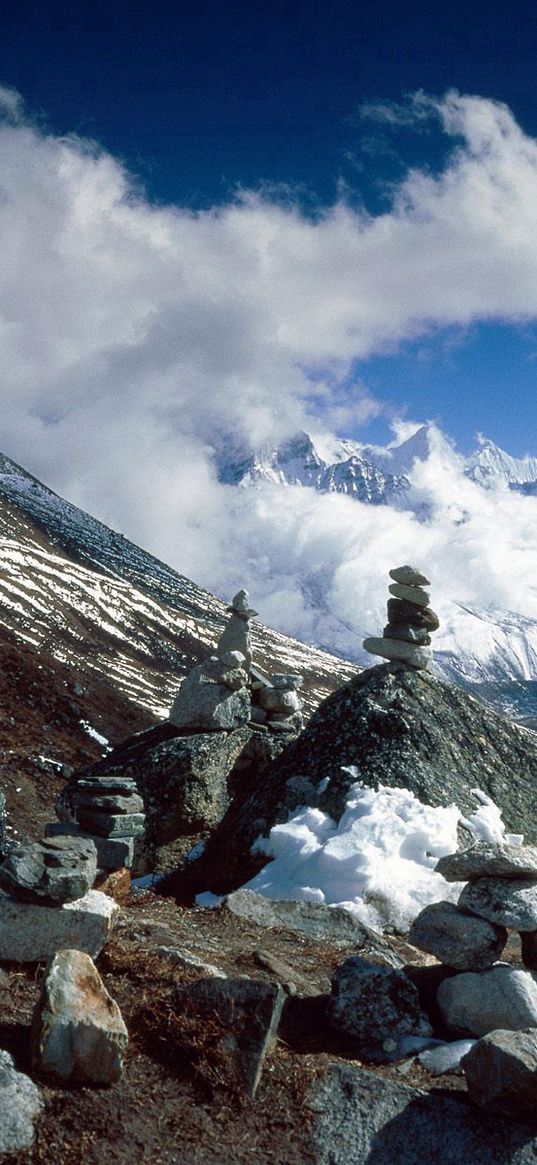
{"type": "Point", "coordinates": [406, 637]}
{"type": "Point", "coordinates": [496, 1003]}
{"type": "Point", "coordinates": [276, 704]}
{"type": "Point", "coordinates": [46, 900]}
{"type": "Point", "coordinates": [106, 810]}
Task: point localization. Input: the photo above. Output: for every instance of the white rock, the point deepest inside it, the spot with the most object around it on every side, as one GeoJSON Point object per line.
{"type": "Point", "coordinates": [29, 933]}
{"type": "Point", "coordinates": [78, 1033]}
{"type": "Point", "coordinates": [399, 649]}
{"type": "Point", "coordinates": [20, 1106]}
{"type": "Point", "coordinates": [502, 997]}
{"type": "Point", "coordinates": [445, 1057]}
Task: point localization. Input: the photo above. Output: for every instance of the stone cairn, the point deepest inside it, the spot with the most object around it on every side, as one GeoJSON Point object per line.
{"type": "Point", "coordinates": [225, 692]}
{"type": "Point", "coordinates": [500, 895]}
{"type": "Point", "coordinates": [106, 810]}
{"type": "Point", "coordinates": [406, 637]}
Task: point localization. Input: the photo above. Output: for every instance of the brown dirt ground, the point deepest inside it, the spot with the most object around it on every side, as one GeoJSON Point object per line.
{"type": "Point", "coordinates": [178, 1102]}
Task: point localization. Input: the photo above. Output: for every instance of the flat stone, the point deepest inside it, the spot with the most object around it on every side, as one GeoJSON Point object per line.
{"type": "Point", "coordinates": [501, 1073]}
{"type": "Point", "coordinates": [414, 595]}
{"type": "Point", "coordinates": [487, 860]}
{"type": "Point", "coordinates": [53, 871]}
{"type": "Point", "coordinates": [320, 923]}
{"type": "Point", "coordinates": [401, 612]}
{"type": "Point", "coordinates": [20, 1105]}
{"type": "Point", "coordinates": [397, 649]}
{"type": "Point", "coordinates": [505, 901]}
{"type": "Point", "coordinates": [410, 576]}
{"type": "Point", "coordinates": [112, 824]}
{"type": "Point", "coordinates": [376, 1005]}
{"type": "Point", "coordinates": [113, 853]}
{"type": "Point", "coordinates": [457, 939]}
{"type": "Point", "coordinates": [357, 1118]}
{"type": "Point", "coordinates": [406, 631]}
{"type": "Point", "coordinates": [244, 1016]}
{"type": "Point", "coordinates": [107, 802]}
{"type": "Point", "coordinates": [31, 933]}
{"type": "Point", "coordinates": [501, 997]}
{"type": "Point", "coordinates": [185, 958]}
{"type": "Point", "coordinates": [119, 784]}
{"type": "Point", "coordinates": [78, 1033]}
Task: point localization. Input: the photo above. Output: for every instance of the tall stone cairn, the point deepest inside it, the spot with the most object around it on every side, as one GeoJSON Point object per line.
{"type": "Point", "coordinates": [406, 637]}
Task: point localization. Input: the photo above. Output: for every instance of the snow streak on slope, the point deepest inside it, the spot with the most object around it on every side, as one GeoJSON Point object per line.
{"type": "Point", "coordinates": [83, 593]}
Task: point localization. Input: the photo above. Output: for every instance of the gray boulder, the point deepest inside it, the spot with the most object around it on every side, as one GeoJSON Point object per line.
{"type": "Point", "coordinates": [243, 1015]}
{"type": "Point", "coordinates": [491, 861]}
{"type": "Point", "coordinates": [502, 997]}
{"type": "Point", "coordinates": [78, 1034]}
{"type": "Point", "coordinates": [376, 1005]}
{"type": "Point", "coordinates": [400, 728]}
{"type": "Point", "coordinates": [503, 901]}
{"type": "Point", "coordinates": [56, 870]}
{"type": "Point", "coordinates": [361, 1119]}
{"type": "Point", "coordinates": [501, 1073]}
{"type": "Point", "coordinates": [20, 1105]}
{"type": "Point", "coordinates": [457, 939]}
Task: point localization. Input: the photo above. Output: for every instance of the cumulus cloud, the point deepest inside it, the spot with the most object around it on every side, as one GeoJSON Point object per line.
{"type": "Point", "coordinates": [140, 340]}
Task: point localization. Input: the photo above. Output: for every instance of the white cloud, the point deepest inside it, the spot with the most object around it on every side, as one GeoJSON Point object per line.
{"type": "Point", "coordinates": [137, 338]}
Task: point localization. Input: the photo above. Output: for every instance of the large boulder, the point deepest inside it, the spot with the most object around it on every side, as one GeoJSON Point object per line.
{"type": "Point", "coordinates": [187, 780]}
{"type": "Point", "coordinates": [78, 1034]}
{"type": "Point", "coordinates": [399, 728]}
{"type": "Point", "coordinates": [361, 1119]}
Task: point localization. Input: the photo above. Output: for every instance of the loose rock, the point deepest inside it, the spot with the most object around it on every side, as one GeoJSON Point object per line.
{"type": "Point", "coordinates": [492, 861]}
{"type": "Point", "coordinates": [502, 997]}
{"type": "Point", "coordinates": [78, 1034]}
{"type": "Point", "coordinates": [457, 939]}
{"type": "Point", "coordinates": [52, 871]}
{"type": "Point", "coordinates": [503, 900]}
{"type": "Point", "coordinates": [501, 1073]}
{"type": "Point", "coordinates": [377, 1005]}
{"type": "Point", "coordinates": [20, 1107]}
{"type": "Point", "coordinates": [30, 932]}
{"type": "Point", "coordinates": [410, 594]}
{"type": "Point", "coordinates": [399, 649]}
{"type": "Point", "coordinates": [409, 576]}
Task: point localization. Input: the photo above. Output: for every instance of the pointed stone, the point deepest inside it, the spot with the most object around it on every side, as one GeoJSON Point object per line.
{"type": "Point", "coordinates": [78, 1034]}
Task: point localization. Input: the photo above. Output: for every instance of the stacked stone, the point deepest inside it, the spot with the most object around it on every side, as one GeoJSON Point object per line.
{"type": "Point", "coordinates": [276, 704]}
{"type": "Point", "coordinates": [500, 895]}
{"type": "Point", "coordinates": [214, 696]}
{"type": "Point", "coordinates": [107, 811]}
{"type": "Point", "coordinates": [406, 637]}
{"type": "Point", "coordinates": [46, 900]}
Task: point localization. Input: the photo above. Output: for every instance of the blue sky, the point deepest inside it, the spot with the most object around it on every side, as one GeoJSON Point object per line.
{"type": "Point", "coordinates": [197, 99]}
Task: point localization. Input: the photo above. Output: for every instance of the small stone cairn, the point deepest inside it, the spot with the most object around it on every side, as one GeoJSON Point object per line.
{"type": "Point", "coordinates": [106, 810]}
{"type": "Point", "coordinates": [406, 637]}
{"type": "Point", "coordinates": [500, 895]}
{"type": "Point", "coordinates": [225, 692]}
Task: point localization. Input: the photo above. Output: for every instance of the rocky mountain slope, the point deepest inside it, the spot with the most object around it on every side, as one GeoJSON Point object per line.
{"type": "Point", "coordinates": [95, 638]}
